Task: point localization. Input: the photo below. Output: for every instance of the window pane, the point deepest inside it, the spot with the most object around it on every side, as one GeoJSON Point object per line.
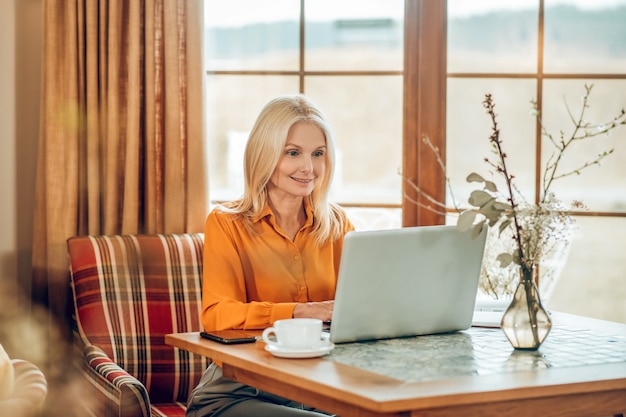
{"type": "Point", "coordinates": [371, 218]}
{"type": "Point", "coordinates": [354, 35]}
{"type": "Point", "coordinates": [492, 36]}
{"type": "Point", "coordinates": [592, 282]}
{"type": "Point", "coordinates": [469, 128]}
{"type": "Point", "coordinates": [233, 103]}
{"type": "Point", "coordinates": [601, 188]}
{"type": "Point", "coordinates": [262, 38]}
{"type": "Point", "coordinates": [366, 115]}
{"type": "Point", "coordinates": [585, 36]}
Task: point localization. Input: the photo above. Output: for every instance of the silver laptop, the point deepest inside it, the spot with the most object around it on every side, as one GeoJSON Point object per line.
{"type": "Point", "coordinates": [406, 282]}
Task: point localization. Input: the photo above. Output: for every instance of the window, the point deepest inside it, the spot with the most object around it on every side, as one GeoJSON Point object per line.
{"type": "Point", "coordinates": [388, 72]}
{"type": "Point", "coordinates": [347, 56]}
{"type": "Point", "coordinates": [547, 51]}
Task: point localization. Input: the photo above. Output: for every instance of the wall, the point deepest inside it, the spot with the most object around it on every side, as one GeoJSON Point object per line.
{"type": "Point", "coordinates": [20, 75]}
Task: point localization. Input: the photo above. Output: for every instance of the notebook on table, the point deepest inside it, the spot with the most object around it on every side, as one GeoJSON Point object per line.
{"type": "Point", "coordinates": [406, 282]}
{"type": "Point", "coordinates": [488, 312]}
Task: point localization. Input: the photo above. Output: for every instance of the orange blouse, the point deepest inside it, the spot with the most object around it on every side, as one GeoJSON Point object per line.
{"type": "Point", "coordinates": [251, 280]}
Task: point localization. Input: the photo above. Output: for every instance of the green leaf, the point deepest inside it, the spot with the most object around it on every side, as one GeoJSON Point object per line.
{"type": "Point", "coordinates": [466, 220]}
{"type": "Point", "coordinates": [478, 228]}
{"type": "Point", "coordinates": [487, 206]}
{"type": "Point", "coordinates": [491, 212]}
{"type": "Point", "coordinates": [478, 198]}
{"type": "Point", "coordinates": [491, 186]}
{"type": "Point", "coordinates": [474, 177]}
{"type": "Point", "coordinates": [505, 259]}
{"type": "Point", "coordinates": [504, 225]}
{"type": "Point", "coordinates": [502, 206]}
{"type": "Point", "coordinates": [493, 220]}
{"type": "Point", "coordinates": [516, 258]}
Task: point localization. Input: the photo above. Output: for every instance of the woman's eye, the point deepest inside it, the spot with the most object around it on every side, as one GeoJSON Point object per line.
{"type": "Point", "coordinates": [292, 153]}
{"type": "Point", "coordinates": [318, 154]}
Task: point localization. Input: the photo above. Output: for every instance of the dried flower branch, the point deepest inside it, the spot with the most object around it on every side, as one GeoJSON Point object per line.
{"type": "Point", "coordinates": [439, 207]}
{"type": "Point", "coordinates": [535, 229]}
{"type": "Point", "coordinates": [588, 131]}
{"type": "Point", "coordinates": [485, 200]}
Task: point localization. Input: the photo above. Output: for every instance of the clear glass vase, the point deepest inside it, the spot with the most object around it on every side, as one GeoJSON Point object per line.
{"type": "Point", "coordinates": [525, 322]}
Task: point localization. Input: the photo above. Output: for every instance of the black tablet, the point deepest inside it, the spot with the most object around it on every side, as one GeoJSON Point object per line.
{"type": "Point", "coordinates": [232, 336]}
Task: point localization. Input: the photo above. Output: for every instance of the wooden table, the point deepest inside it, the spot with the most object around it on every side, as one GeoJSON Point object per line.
{"type": "Point", "coordinates": [582, 391]}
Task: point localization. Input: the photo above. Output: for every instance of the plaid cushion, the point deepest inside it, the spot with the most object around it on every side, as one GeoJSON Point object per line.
{"type": "Point", "coordinates": [129, 291]}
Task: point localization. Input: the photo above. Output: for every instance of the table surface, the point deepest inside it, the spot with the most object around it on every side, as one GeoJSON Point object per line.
{"type": "Point", "coordinates": [579, 371]}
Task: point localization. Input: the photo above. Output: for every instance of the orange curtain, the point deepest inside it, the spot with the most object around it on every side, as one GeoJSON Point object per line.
{"type": "Point", "coordinates": [121, 139]}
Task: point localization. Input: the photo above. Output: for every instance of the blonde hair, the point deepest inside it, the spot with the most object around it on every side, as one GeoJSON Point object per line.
{"type": "Point", "coordinates": [263, 151]}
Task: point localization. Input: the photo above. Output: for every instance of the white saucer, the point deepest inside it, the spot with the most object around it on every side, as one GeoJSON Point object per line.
{"type": "Point", "coordinates": [322, 350]}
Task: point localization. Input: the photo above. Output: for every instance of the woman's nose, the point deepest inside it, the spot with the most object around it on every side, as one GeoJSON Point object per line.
{"type": "Point", "coordinates": [307, 164]}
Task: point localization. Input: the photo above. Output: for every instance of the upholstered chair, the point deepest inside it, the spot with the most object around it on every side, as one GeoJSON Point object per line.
{"type": "Point", "coordinates": [129, 292]}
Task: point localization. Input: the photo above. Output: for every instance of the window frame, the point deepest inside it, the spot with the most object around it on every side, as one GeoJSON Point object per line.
{"type": "Point", "coordinates": [302, 73]}
{"type": "Point", "coordinates": [424, 107]}
{"type": "Point", "coordinates": [425, 95]}
{"type": "Point", "coordinates": [425, 78]}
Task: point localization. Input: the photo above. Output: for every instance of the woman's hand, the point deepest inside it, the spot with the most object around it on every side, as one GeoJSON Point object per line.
{"type": "Point", "coordinates": [322, 310]}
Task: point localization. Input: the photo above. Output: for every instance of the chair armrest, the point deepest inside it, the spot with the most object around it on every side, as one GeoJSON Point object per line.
{"type": "Point", "coordinates": [122, 394]}
{"type": "Point", "coordinates": [29, 393]}
{"type": "Point", "coordinates": [30, 382]}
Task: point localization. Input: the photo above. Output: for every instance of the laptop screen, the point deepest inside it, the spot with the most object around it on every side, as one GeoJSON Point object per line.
{"type": "Point", "coordinates": [406, 282]}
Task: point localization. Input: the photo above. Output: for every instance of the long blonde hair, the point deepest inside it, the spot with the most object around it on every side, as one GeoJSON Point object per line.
{"type": "Point", "coordinates": [263, 151]}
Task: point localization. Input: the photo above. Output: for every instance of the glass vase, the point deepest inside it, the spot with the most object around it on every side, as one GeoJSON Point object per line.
{"type": "Point", "coordinates": [525, 322]}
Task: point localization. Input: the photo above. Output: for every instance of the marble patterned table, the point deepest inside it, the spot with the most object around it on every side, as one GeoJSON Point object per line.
{"type": "Point", "coordinates": [579, 371]}
{"type": "Point", "coordinates": [478, 351]}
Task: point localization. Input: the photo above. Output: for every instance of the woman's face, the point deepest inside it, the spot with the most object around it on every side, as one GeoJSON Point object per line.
{"type": "Point", "coordinates": [303, 161]}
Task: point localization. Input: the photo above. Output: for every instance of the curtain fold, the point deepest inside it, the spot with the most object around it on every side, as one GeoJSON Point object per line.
{"type": "Point", "coordinates": [122, 134]}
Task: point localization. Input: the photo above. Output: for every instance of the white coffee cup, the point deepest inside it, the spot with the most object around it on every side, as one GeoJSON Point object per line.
{"type": "Point", "coordinates": [295, 334]}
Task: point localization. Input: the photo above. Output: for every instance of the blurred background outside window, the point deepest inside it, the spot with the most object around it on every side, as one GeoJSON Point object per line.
{"type": "Point", "coordinates": [518, 51]}
{"type": "Point", "coordinates": [347, 55]}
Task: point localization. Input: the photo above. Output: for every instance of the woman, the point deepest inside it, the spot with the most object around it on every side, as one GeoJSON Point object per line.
{"type": "Point", "coordinates": [274, 254]}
